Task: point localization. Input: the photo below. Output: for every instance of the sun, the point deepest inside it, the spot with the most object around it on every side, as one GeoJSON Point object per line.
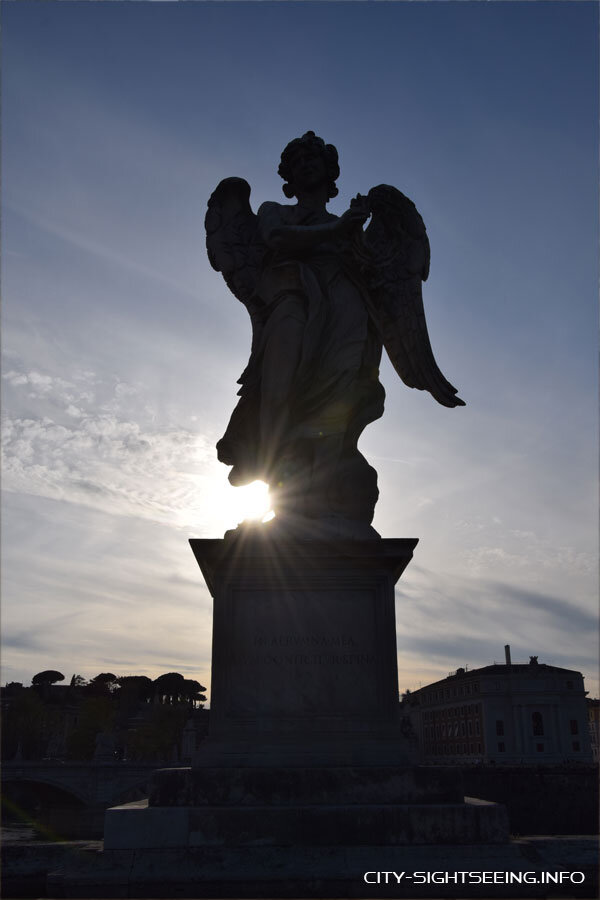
{"type": "Point", "coordinates": [248, 502]}
{"type": "Point", "coordinates": [213, 506]}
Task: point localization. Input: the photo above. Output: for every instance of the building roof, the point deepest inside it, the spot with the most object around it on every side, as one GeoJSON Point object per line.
{"type": "Point", "coordinates": [500, 669]}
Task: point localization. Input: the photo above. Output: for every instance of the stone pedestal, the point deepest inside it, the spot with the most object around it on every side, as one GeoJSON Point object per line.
{"type": "Point", "coordinates": [304, 668]}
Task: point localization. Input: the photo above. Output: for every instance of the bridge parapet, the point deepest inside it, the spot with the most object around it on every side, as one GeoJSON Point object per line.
{"type": "Point", "coordinates": [94, 784]}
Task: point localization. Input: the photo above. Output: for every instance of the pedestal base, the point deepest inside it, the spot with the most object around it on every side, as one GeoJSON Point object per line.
{"type": "Point", "coordinates": [155, 828]}
{"type": "Point", "coordinates": [289, 807]}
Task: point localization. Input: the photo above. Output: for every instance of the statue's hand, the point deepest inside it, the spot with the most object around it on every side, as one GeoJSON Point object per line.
{"type": "Point", "coordinates": [355, 217]}
{"type": "Point", "coordinates": [361, 204]}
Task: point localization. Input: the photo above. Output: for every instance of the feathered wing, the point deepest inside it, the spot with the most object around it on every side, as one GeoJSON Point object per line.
{"type": "Point", "coordinates": [394, 251]}
{"type": "Point", "coordinates": [236, 250]}
{"type": "Point", "coordinates": [234, 246]}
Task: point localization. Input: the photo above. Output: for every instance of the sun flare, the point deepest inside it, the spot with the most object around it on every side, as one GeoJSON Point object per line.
{"type": "Point", "coordinates": [249, 502]}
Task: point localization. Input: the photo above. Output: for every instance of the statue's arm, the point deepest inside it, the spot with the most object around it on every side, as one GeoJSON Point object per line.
{"type": "Point", "coordinates": [277, 235]}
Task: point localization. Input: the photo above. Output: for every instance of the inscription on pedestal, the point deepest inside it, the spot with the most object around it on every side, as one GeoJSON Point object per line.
{"type": "Point", "coordinates": [303, 652]}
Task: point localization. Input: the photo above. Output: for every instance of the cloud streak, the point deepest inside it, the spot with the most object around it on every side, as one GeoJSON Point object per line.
{"type": "Point", "coordinates": [97, 457]}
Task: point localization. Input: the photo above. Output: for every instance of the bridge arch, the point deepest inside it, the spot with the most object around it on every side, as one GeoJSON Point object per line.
{"type": "Point", "coordinates": [59, 791]}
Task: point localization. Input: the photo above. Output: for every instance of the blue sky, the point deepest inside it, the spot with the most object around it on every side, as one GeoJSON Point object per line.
{"type": "Point", "coordinates": [121, 346]}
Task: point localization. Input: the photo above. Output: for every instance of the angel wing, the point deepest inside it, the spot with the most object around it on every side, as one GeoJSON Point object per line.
{"type": "Point", "coordinates": [394, 252]}
{"type": "Point", "coordinates": [235, 248]}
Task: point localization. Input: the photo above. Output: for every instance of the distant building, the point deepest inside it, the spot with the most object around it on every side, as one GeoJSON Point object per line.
{"type": "Point", "coordinates": [513, 713]}
{"type": "Point", "coordinates": [593, 708]}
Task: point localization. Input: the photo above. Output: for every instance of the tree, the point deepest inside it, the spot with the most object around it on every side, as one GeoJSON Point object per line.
{"type": "Point", "coordinates": [192, 691]}
{"type": "Point", "coordinates": [134, 687]}
{"type": "Point", "coordinates": [104, 678]}
{"type": "Point", "coordinates": [169, 688]}
{"type": "Point", "coordinates": [48, 676]}
{"type": "Point", "coordinates": [102, 684]}
{"type": "Point", "coordinates": [134, 690]}
{"type": "Point", "coordinates": [78, 681]}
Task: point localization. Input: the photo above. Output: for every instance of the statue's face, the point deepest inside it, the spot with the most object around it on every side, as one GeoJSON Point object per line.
{"type": "Point", "coordinates": [308, 168]}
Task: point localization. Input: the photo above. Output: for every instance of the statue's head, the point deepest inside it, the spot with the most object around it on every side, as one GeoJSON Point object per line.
{"type": "Point", "coordinates": [302, 149]}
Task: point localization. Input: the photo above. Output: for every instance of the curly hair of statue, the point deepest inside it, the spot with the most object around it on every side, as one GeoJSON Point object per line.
{"type": "Point", "coordinates": [313, 142]}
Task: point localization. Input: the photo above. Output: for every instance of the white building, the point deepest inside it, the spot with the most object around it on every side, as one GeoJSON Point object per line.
{"type": "Point", "coordinates": [594, 727]}
{"type": "Point", "coordinates": [513, 714]}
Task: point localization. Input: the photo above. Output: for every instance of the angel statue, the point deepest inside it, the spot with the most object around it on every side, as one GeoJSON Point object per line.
{"type": "Point", "coordinates": [324, 296]}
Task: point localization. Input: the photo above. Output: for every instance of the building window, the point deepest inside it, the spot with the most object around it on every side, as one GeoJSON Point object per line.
{"type": "Point", "coordinates": [479, 748]}
{"type": "Point", "coordinates": [501, 747]}
{"type": "Point", "coordinates": [574, 726]}
{"type": "Point", "coordinates": [569, 685]}
{"type": "Point", "coordinates": [539, 748]}
{"type": "Point", "coordinates": [469, 728]}
{"type": "Point", "coordinates": [576, 745]}
{"type": "Point", "coordinates": [537, 721]}
{"type": "Point", "coordinates": [499, 726]}
{"type": "Point", "coordinates": [462, 729]}
{"type": "Point", "coordinates": [477, 726]}
{"type": "Point", "coordinates": [465, 748]}
{"type": "Point", "coordinates": [475, 688]}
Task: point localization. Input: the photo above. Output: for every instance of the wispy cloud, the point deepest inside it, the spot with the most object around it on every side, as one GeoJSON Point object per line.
{"type": "Point", "coordinates": [564, 612]}
{"type": "Point", "coordinates": [93, 455]}
{"type": "Point", "coordinates": [446, 620]}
